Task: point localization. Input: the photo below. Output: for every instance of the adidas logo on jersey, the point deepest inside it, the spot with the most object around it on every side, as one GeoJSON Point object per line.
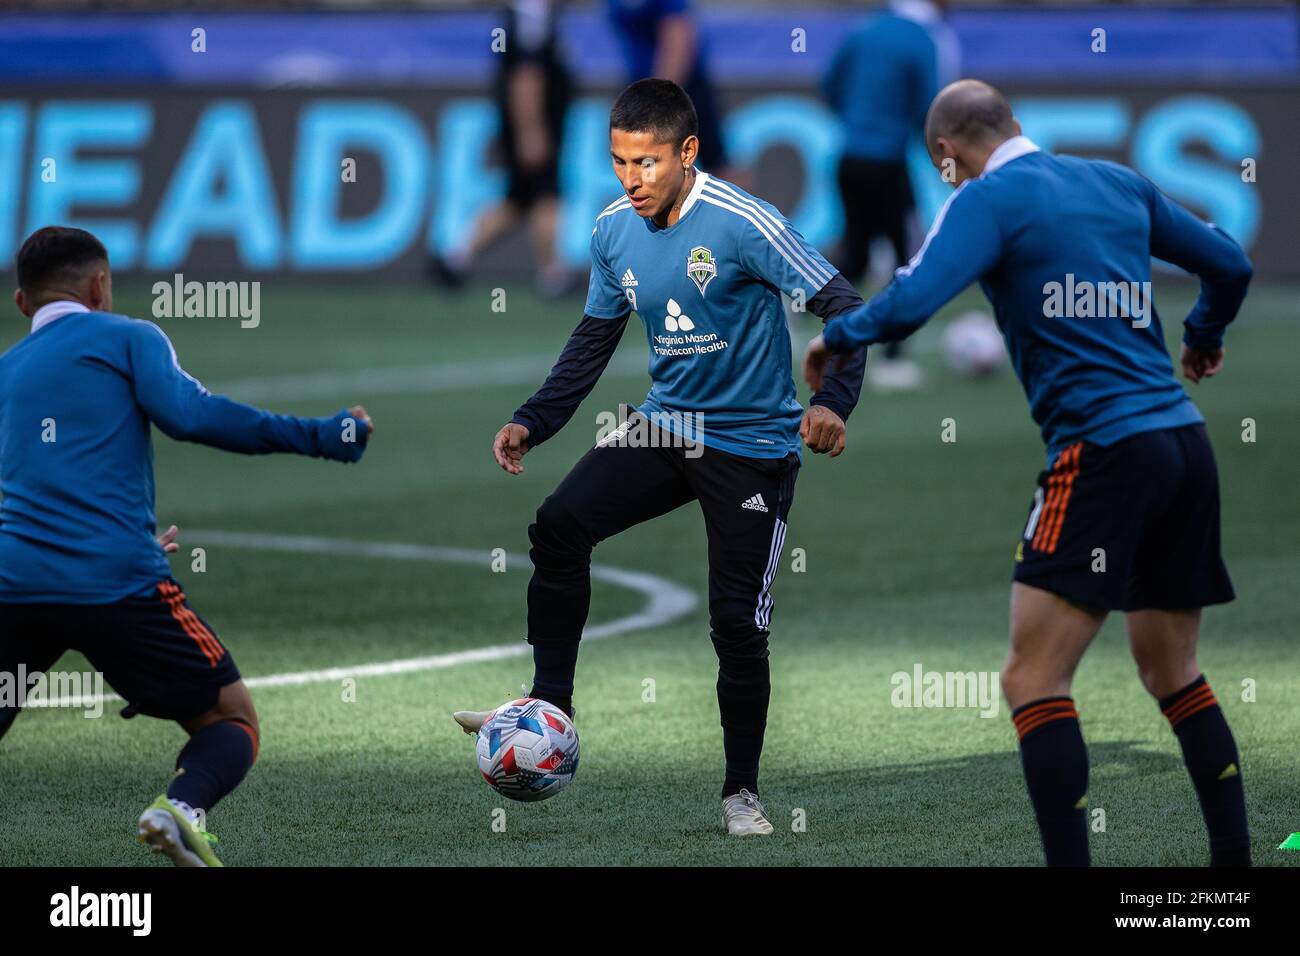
{"type": "Point", "coordinates": [755, 503]}
{"type": "Point", "coordinates": [629, 288]}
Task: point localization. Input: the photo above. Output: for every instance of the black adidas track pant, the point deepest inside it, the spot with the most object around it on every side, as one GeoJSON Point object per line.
{"type": "Point", "coordinates": [621, 483]}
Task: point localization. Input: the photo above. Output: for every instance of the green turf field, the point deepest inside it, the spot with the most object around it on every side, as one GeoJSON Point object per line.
{"type": "Point", "coordinates": [908, 544]}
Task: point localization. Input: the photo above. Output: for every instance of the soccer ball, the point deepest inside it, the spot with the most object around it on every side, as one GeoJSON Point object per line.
{"type": "Point", "coordinates": [527, 750]}
{"type": "Point", "coordinates": [973, 345]}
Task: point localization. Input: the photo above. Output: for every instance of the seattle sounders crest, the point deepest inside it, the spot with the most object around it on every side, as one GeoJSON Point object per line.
{"type": "Point", "coordinates": [701, 267]}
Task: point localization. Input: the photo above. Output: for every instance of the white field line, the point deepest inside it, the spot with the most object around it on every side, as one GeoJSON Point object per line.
{"type": "Point", "coordinates": [665, 602]}
{"type": "Point", "coordinates": [360, 384]}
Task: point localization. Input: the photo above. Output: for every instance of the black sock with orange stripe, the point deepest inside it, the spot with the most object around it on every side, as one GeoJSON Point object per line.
{"type": "Point", "coordinates": [213, 763]}
{"type": "Point", "coordinates": [1055, 761]}
{"type": "Point", "coordinates": [1215, 768]}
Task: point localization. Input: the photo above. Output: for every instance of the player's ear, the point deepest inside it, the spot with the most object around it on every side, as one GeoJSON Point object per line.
{"type": "Point", "coordinates": [97, 292]}
{"type": "Point", "coordinates": [942, 154]}
{"type": "Point", "coordinates": [20, 300]}
{"type": "Point", "coordinates": [690, 149]}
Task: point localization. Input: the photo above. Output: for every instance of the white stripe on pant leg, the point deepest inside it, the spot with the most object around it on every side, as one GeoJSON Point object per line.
{"type": "Point", "coordinates": [771, 602]}
{"type": "Point", "coordinates": [763, 614]}
{"type": "Point", "coordinates": [768, 601]}
{"type": "Point", "coordinates": [767, 573]}
{"type": "Point", "coordinates": [763, 611]}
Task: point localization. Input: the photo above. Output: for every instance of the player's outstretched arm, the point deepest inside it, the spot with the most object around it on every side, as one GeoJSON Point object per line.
{"type": "Point", "coordinates": [962, 245]}
{"type": "Point", "coordinates": [1218, 261]}
{"type": "Point", "coordinates": [183, 409]}
{"type": "Point", "coordinates": [575, 373]}
{"type": "Point", "coordinates": [823, 426]}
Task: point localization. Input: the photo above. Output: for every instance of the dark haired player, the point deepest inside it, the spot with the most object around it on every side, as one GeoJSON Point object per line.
{"type": "Point", "coordinates": [80, 568]}
{"type": "Point", "coordinates": [1131, 474]}
{"type": "Point", "coordinates": [704, 265]}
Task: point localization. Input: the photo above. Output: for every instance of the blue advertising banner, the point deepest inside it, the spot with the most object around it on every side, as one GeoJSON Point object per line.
{"type": "Point", "coordinates": [252, 183]}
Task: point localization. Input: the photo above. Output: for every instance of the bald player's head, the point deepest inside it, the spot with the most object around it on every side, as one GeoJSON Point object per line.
{"type": "Point", "coordinates": [967, 121]}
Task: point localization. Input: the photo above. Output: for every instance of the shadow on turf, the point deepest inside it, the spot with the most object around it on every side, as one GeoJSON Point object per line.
{"type": "Point", "coordinates": [969, 810]}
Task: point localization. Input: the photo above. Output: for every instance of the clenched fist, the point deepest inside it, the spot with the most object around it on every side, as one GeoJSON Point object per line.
{"type": "Point", "coordinates": [822, 431]}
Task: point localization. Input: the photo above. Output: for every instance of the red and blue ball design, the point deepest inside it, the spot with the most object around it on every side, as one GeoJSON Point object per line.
{"type": "Point", "coordinates": [528, 750]}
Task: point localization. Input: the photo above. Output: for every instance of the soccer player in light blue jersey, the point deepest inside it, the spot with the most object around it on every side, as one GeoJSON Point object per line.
{"type": "Point", "coordinates": [704, 264]}
{"type": "Point", "coordinates": [1126, 516]}
{"type": "Point", "coordinates": [80, 567]}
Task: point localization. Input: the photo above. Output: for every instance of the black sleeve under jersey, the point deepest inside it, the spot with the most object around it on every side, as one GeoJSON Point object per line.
{"type": "Point", "coordinates": [841, 386]}
{"type": "Point", "coordinates": [572, 378]}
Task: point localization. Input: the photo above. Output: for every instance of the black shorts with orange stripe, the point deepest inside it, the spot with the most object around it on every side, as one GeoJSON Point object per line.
{"type": "Point", "coordinates": [155, 651]}
{"type": "Point", "coordinates": [1129, 526]}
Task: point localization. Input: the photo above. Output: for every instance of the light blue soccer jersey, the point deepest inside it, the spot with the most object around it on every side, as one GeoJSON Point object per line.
{"type": "Point", "coordinates": [708, 289]}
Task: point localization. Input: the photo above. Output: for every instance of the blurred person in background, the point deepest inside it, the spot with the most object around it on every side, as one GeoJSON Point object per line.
{"type": "Point", "coordinates": [533, 91]}
{"type": "Point", "coordinates": [880, 83]}
{"type": "Point", "coordinates": [660, 38]}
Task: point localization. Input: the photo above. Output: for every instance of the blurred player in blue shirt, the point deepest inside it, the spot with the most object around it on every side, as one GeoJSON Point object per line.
{"type": "Point", "coordinates": [661, 38]}
{"type": "Point", "coordinates": [80, 567]}
{"type": "Point", "coordinates": [1126, 517]}
{"type": "Point", "coordinates": [880, 83]}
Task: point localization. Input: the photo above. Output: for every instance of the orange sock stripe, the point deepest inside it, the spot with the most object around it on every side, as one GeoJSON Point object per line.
{"type": "Point", "coordinates": [1201, 691]}
{"type": "Point", "coordinates": [1197, 709]}
{"type": "Point", "coordinates": [1197, 700]}
{"type": "Point", "coordinates": [252, 735]}
{"type": "Point", "coordinates": [174, 598]}
{"type": "Point", "coordinates": [1072, 472]}
{"type": "Point", "coordinates": [1042, 710]}
{"type": "Point", "coordinates": [1177, 709]}
{"type": "Point", "coordinates": [1022, 729]}
{"type": "Point", "coordinates": [1034, 710]}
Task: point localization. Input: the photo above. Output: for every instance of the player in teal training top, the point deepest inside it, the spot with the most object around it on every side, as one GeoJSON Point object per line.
{"type": "Point", "coordinates": [704, 264]}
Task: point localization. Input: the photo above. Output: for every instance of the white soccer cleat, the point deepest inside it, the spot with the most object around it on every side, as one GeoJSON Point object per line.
{"type": "Point", "coordinates": [471, 720]}
{"type": "Point", "coordinates": [742, 815]}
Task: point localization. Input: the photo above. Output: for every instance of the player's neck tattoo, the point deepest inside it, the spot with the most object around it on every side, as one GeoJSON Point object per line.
{"type": "Point", "coordinates": [675, 211]}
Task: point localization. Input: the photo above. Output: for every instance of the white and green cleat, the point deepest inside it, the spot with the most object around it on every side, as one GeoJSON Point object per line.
{"type": "Point", "coordinates": [170, 828]}
{"type": "Point", "coordinates": [743, 815]}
